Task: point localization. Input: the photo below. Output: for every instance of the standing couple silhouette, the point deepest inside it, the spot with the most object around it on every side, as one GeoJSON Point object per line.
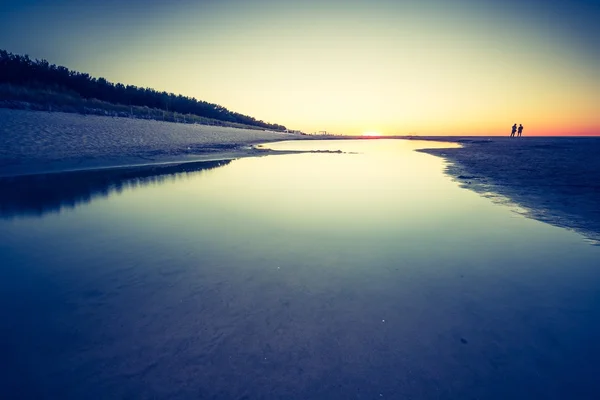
{"type": "Point", "coordinates": [519, 131]}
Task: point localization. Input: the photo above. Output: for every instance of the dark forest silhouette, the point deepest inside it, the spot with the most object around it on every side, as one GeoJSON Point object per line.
{"type": "Point", "coordinates": [40, 75]}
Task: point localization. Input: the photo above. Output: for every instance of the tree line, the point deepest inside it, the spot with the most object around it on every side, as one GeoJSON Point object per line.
{"type": "Point", "coordinates": [23, 71]}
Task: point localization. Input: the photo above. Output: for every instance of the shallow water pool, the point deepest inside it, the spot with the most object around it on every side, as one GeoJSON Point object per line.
{"type": "Point", "coordinates": [366, 274]}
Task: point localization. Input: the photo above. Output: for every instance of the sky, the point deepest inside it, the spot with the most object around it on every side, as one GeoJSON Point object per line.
{"type": "Point", "coordinates": [428, 67]}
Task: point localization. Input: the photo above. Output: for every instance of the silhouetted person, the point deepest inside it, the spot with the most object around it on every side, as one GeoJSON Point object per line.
{"type": "Point", "coordinates": [514, 130]}
{"type": "Point", "coordinates": [520, 130]}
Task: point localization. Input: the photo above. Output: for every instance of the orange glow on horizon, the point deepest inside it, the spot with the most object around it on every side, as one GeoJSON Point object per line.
{"type": "Point", "coordinates": [422, 68]}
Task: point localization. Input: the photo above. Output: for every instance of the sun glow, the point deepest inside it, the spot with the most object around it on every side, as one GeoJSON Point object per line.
{"type": "Point", "coordinates": [345, 61]}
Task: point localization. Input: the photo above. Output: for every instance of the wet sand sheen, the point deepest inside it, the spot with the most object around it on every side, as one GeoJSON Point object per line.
{"type": "Point", "coordinates": [556, 180]}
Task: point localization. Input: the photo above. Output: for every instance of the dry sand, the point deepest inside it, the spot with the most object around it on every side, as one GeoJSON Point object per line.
{"type": "Point", "coordinates": [40, 142]}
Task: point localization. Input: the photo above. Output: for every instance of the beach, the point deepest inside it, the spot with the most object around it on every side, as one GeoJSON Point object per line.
{"type": "Point", "coordinates": [310, 200]}
{"type": "Point", "coordinates": [42, 142]}
{"type": "Point", "coordinates": [552, 179]}
{"type": "Point", "coordinates": [145, 259]}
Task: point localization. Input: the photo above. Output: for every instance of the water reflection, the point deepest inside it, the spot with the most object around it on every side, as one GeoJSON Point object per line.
{"type": "Point", "coordinates": [37, 195]}
{"type": "Point", "coordinates": [306, 276]}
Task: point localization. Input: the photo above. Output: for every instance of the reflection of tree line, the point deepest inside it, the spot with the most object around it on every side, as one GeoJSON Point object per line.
{"type": "Point", "coordinates": [36, 195]}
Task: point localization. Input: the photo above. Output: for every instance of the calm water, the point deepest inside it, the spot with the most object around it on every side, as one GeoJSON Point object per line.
{"type": "Point", "coordinates": [309, 276]}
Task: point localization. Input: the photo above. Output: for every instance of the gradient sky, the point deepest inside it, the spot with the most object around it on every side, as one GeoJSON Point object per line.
{"type": "Point", "coordinates": [429, 67]}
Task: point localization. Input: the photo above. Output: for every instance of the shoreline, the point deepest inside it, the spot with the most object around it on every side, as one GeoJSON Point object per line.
{"type": "Point", "coordinates": [553, 180]}
{"type": "Point", "coordinates": [39, 142]}
{"type": "Point", "coordinates": [66, 167]}
{"type": "Point", "coordinates": [178, 161]}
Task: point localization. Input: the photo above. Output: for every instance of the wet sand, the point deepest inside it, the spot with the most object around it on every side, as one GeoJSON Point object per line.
{"type": "Point", "coordinates": [551, 179]}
